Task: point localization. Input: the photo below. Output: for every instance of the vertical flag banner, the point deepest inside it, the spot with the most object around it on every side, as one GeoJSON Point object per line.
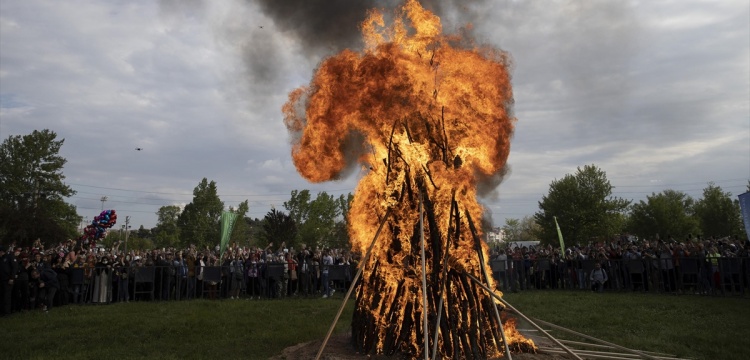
{"type": "Point", "coordinates": [559, 236]}
{"type": "Point", "coordinates": [745, 210]}
{"type": "Point", "coordinates": [227, 223]}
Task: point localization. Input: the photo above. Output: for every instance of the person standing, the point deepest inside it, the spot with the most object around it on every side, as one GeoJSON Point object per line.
{"type": "Point", "coordinates": [303, 261]}
{"type": "Point", "coordinates": [48, 286]}
{"type": "Point", "coordinates": [293, 274]}
{"type": "Point", "coordinates": [8, 271]}
{"type": "Point", "coordinates": [237, 277]}
{"type": "Point", "coordinates": [327, 262]}
{"type": "Point", "coordinates": [253, 282]}
{"type": "Point", "coordinates": [21, 284]}
{"type": "Point", "coordinates": [121, 272]}
{"type": "Point", "coordinates": [598, 277]}
{"type": "Point", "coordinates": [190, 264]}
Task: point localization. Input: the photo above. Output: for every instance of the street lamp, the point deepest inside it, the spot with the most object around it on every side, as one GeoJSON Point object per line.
{"type": "Point", "coordinates": [127, 232]}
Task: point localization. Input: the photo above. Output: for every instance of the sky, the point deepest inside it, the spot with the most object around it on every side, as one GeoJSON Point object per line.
{"type": "Point", "coordinates": [655, 93]}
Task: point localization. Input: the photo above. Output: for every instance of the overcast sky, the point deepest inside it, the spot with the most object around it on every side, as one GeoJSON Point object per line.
{"type": "Point", "coordinates": [656, 93]}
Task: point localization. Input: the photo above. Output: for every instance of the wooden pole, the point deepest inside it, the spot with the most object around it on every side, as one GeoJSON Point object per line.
{"type": "Point", "coordinates": [443, 283]}
{"type": "Point", "coordinates": [486, 277]}
{"type": "Point", "coordinates": [601, 346]}
{"type": "Point", "coordinates": [353, 284]}
{"type": "Point", "coordinates": [636, 352]}
{"type": "Point", "coordinates": [424, 284]}
{"type": "Point", "coordinates": [509, 306]}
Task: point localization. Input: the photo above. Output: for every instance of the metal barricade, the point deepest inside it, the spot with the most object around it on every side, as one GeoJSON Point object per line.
{"type": "Point", "coordinates": [144, 281]}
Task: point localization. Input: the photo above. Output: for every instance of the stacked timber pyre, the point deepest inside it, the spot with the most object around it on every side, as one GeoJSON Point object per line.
{"type": "Point", "coordinates": [433, 112]}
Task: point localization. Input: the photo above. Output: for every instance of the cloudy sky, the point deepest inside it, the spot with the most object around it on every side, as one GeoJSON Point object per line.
{"type": "Point", "coordinates": [656, 93]}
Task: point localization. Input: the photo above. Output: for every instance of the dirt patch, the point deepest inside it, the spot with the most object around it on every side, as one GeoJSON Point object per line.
{"type": "Point", "coordinates": [339, 348]}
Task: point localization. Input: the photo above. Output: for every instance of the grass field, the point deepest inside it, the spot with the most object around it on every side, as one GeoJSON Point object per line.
{"type": "Point", "coordinates": [688, 326]}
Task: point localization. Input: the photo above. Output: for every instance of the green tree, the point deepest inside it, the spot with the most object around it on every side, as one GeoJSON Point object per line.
{"type": "Point", "coordinates": [320, 226]}
{"type": "Point", "coordinates": [512, 230]}
{"type": "Point", "coordinates": [240, 230]}
{"type": "Point", "coordinates": [717, 214]}
{"type": "Point", "coordinates": [298, 205]}
{"type": "Point", "coordinates": [584, 207]}
{"type": "Point", "coordinates": [199, 221]}
{"type": "Point", "coordinates": [32, 190]}
{"type": "Point", "coordinates": [340, 238]}
{"type": "Point", "coordinates": [529, 229]}
{"type": "Point", "coordinates": [138, 243]}
{"type": "Point", "coordinates": [167, 233]}
{"type": "Point", "coordinates": [254, 230]}
{"type": "Point", "coordinates": [669, 213]}
{"type": "Point", "coordinates": [316, 219]}
{"type": "Point", "coordinates": [277, 227]}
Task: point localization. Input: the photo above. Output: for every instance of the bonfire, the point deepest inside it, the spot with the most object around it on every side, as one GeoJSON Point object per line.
{"type": "Point", "coordinates": [428, 118]}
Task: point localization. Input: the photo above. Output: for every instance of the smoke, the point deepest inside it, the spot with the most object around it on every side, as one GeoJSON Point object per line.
{"type": "Point", "coordinates": [320, 27]}
{"type": "Point", "coordinates": [325, 27]}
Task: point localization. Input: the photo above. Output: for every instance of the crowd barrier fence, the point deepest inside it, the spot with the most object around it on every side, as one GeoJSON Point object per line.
{"type": "Point", "coordinates": [689, 275]}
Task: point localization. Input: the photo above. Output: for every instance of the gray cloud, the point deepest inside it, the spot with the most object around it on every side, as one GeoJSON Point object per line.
{"type": "Point", "coordinates": [654, 93]}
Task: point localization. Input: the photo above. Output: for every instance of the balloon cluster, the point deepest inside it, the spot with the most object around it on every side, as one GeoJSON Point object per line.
{"type": "Point", "coordinates": [98, 227]}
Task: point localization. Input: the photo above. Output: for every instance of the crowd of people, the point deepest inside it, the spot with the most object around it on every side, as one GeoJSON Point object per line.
{"type": "Point", "coordinates": [41, 278]}
{"type": "Point", "coordinates": [694, 265]}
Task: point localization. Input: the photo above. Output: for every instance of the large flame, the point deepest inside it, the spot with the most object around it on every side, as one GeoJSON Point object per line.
{"type": "Point", "coordinates": [434, 113]}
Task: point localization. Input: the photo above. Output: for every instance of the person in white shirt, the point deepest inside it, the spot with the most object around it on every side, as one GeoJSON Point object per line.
{"type": "Point", "coordinates": [327, 262]}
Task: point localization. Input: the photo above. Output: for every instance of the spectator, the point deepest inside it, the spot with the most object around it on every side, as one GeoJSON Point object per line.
{"type": "Point", "coordinates": [8, 273]}
{"type": "Point", "coordinates": [21, 284]}
{"type": "Point", "coordinates": [121, 276]}
{"type": "Point", "coordinates": [236, 273]}
{"type": "Point", "coordinates": [48, 285]}
{"type": "Point", "coordinates": [253, 282]}
{"type": "Point", "coordinates": [598, 277]}
{"type": "Point", "coordinates": [327, 262]}
{"type": "Point", "coordinates": [293, 276]}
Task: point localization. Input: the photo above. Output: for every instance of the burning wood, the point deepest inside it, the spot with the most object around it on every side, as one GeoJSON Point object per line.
{"type": "Point", "coordinates": [435, 114]}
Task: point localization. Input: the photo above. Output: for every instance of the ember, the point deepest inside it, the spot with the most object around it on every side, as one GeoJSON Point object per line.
{"type": "Point", "coordinates": [434, 112]}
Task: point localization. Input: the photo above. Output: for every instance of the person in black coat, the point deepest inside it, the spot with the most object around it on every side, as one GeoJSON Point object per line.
{"type": "Point", "coordinates": [48, 285]}
{"type": "Point", "coordinates": [8, 271]}
{"type": "Point", "coordinates": [21, 285]}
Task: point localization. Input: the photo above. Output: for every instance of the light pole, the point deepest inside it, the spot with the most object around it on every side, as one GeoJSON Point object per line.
{"type": "Point", "coordinates": [103, 199]}
{"type": "Point", "coordinates": [127, 232]}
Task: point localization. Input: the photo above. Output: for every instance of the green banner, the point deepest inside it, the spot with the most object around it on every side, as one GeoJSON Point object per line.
{"type": "Point", "coordinates": [559, 235]}
{"type": "Point", "coordinates": [227, 223]}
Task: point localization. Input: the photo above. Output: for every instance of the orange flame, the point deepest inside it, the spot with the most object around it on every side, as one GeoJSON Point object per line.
{"type": "Point", "coordinates": [434, 111]}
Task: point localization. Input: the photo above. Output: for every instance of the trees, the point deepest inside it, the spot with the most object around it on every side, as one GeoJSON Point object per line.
{"type": "Point", "coordinates": [717, 214]}
{"type": "Point", "coordinates": [167, 231]}
{"type": "Point", "coordinates": [240, 230]}
{"type": "Point", "coordinates": [583, 205]}
{"type": "Point", "coordinates": [667, 213]}
{"type": "Point", "coordinates": [32, 190]}
{"type": "Point", "coordinates": [525, 229]}
{"type": "Point", "coordinates": [529, 229]}
{"type": "Point", "coordinates": [277, 227]}
{"type": "Point", "coordinates": [199, 221]}
{"type": "Point", "coordinates": [316, 219]}
{"type": "Point", "coordinates": [512, 230]}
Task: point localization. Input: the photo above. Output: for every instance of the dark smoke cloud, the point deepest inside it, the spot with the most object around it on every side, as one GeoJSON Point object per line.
{"type": "Point", "coordinates": [325, 27]}
{"type": "Point", "coordinates": [320, 26]}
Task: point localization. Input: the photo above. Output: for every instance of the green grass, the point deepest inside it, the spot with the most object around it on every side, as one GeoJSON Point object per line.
{"type": "Point", "coordinates": [687, 326]}
{"type": "Point", "coordinates": [199, 329]}
{"type": "Point", "coordinates": [696, 327]}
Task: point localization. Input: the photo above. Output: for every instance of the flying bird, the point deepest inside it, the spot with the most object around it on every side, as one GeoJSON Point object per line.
{"type": "Point", "coordinates": [260, 26]}
{"type": "Point", "coordinates": [138, 149]}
